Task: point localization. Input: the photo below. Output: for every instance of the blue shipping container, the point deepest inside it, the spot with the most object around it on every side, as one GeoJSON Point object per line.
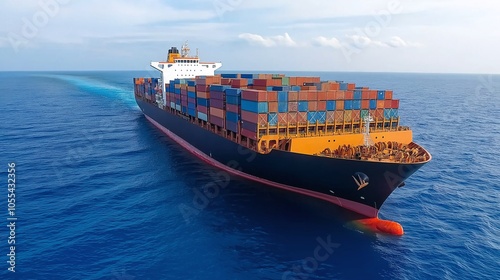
{"type": "Point", "coordinates": [373, 104]}
{"type": "Point", "coordinates": [250, 76]}
{"type": "Point", "coordinates": [191, 83]}
{"type": "Point", "coordinates": [192, 112]}
{"type": "Point", "coordinates": [330, 105]}
{"type": "Point", "coordinates": [295, 88]}
{"type": "Point", "coordinates": [191, 106]}
{"type": "Point", "coordinates": [203, 102]}
{"type": "Point", "coordinates": [321, 117]}
{"type": "Point", "coordinates": [233, 91]}
{"type": "Point", "coordinates": [202, 116]}
{"type": "Point", "coordinates": [381, 94]}
{"type": "Point", "coordinates": [254, 107]}
{"type": "Point", "coordinates": [220, 88]}
{"type": "Point", "coordinates": [356, 104]}
{"type": "Point", "coordinates": [303, 106]}
{"type": "Point", "coordinates": [232, 117]}
{"type": "Point", "coordinates": [281, 88]}
{"type": "Point", "coordinates": [348, 105]}
{"type": "Point", "coordinates": [283, 107]}
{"type": "Point", "coordinates": [231, 126]}
{"type": "Point", "coordinates": [272, 118]}
{"type": "Point", "coordinates": [390, 113]}
{"type": "Point", "coordinates": [235, 100]}
{"type": "Point", "coordinates": [282, 96]}
{"type": "Point", "coordinates": [357, 95]}
{"type": "Point", "coordinates": [343, 86]}
{"type": "Point", "coordinates": [191, 94]}
{"type": "Point", "coordinates": [312, 117]}
{"type": "Point", "coordinates": [230, 76]}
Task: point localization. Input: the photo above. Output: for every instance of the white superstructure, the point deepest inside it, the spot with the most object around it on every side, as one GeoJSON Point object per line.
{"type": "Point", "coordinates": [182, 65]}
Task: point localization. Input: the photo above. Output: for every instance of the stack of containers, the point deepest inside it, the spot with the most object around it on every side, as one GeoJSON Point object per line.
{"type": "Point", "coordinates": [233, 112]}
{"type": "Point", "coordinates": [191, 94]}
{"type": "Point", "coordinates": [254, 112]}
{"type": "Point", "coordinates": [217, 104]}
{"type": "Point", "coordinates": [203, 94]}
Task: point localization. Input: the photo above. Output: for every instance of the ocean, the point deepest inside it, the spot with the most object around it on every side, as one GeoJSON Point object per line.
{"type": "Point", "coordinates": [99, 191]}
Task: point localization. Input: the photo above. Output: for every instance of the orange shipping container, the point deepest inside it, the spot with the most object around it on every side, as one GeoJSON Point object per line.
{"type": "Point", "coordinates": [303, 96]}
{"type": "Point", "coordinates": [217, 112]}
{"type": "Point", "coordinates": [351, 86]}
{"type": "Point", "coordinates": [282, 118]}
{"type": "Point", "coordinates": [321, 105]}
{"type": "Point", "coordinates": [340, 95]}
{"type": "Point", "coordinates": [273, 107]}
{"type": "Point", "coordinates": [340, 105]}
{"type": "Point", "coordinates": [365, 94]}
{"type": "Point", "coordinates": [203, 94]}
{"type": "Point", "coordinates": [292, 117]}
{"type": "Point", "coordinates": [293, 96]}
{"type": "Point", "coordinates": [263, 119]}
{"type": "Point", "coordinates": [373, 94]}
{"type": "Point", "coordinates": [380, 104]}
{"type": "Point", "coordinates": [339, 116]}
{"type": "Point", "coordinates": [330, 95]}
{"type": "Point", "coordinates": [388, 94]}
{"type": "Point", "coordinates": [312, 106]}
{"type": "Point", "coordinates": [238, 83]}
{"type": "Point", "coordinates": [356, 115]}
{"type": "Point", "coordinates": [272, 96]}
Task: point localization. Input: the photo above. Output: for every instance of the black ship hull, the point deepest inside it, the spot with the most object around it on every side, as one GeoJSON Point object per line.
{"type": "Point", "coordinates": [331, 179]}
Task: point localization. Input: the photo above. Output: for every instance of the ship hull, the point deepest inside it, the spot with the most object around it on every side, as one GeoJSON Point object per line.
{"type": "Point", "coordinates": [324, 178]}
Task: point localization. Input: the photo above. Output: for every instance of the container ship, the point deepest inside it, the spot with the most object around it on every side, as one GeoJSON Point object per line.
{"type": "Point", "coordinates": [330, 140]}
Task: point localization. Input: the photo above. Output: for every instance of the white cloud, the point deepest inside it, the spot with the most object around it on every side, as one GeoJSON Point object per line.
{"type": "Point", "coordinates": [327, 42]}
{"type": "Point", "coordinates": [270, 41]}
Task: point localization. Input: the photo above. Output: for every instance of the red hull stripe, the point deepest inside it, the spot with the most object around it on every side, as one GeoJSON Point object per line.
{"type": "Point", "coordinates": [347, 204]}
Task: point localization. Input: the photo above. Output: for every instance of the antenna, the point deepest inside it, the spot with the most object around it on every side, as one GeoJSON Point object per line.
{"type": "Point", "coordinates": [185, 50]}
{"type": "Point", "coordinates": [367, 139]}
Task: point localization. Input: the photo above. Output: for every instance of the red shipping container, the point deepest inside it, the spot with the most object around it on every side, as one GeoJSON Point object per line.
{"type": "Point", "coordinates": [340, 95]}
{"type": "Point", "coordinates": [282, 118]}
{"type": "Point", "coordinates": [373, 94]}
{"type": "Point", "coordinates": [330, 95]}
{"type": "Point", "coordinates": [260, 82]}
{"type": "Point", "coordinates": [302, 117]}
{"type": "Point", "coordinates": [292, 81]}
{"type": "Point", "coordinates": [249, 116]}
{"type": "Point", "coordinates": [388, 94]}
{"type": "Point", "coordinates": [339, 104]}
{"type": "Point", "coordinates": [249, 134]}
{"type": "Point", "coordinates": [365, 94]}
{"type": "Point", "coordinates": [293, 96]}
{"type": "Point", "coordinates": [254, 95]}
{"type": "Point", "coordinates": [356, 115]}
{"type": "Point", "coordinates": [273, 107]}
{"type": "Point", "coordinates": [191, 100]}
{"type": "Point", "coordinates": [351, 86]}
{"type": "Point", "coordinates": [395, 104]}
{"type": "Point", "coordinates": [365, 104]}
{"type": "Point", "coordinates": [263, 119]}
{"type": "Point", "coordinates": [321, 105]}
{"type": "Point", "coordinates": [312, 95]}
{"type": "Point", "coordinates": [292, 117]}
{"type": "Point", "coordinates": [388, 104]}
{"type": "Point", "coordinates": [312, 106]}
{"type": "Point", "coordinates": [349, 95]}
{"type": "Point", "coordinates": [238, 83]}
{"type": "Point", "coordinates": [216, 120]}
{"type": "Point", "coordinates": [380, 104]}
{"type": "Point", "coordinates": [312, 79]}
{"type": "Point", "coordinates": [321, 95]}
{"type": "Point", "coordinates": [232, 108]}
{"type": "Point", "coordinates": [272, 96]}
{"type": "Point", "coordinates": [225, 81]}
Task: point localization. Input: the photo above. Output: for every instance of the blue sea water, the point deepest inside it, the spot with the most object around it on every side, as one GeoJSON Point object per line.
{"type": "Point", "coordinates": [99, 191]}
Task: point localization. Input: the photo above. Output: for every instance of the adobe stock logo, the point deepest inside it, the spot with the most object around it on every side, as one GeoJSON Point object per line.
{"type": "Point", "coordinates": [31, 26]}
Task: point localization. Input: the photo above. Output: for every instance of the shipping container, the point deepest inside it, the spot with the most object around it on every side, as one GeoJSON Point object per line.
{"type": "Point", "coordinates": [348, 105]}
{"type": "Point", "coordinates": [303, 106]}
{"type": "Point", "coordinates": [381, 94]}
{"type": "Point", "coordinates": [293, 106]}
{"type": "Point", "coordinates": [249, 134]}
{"type": "Point", "coordinates": [282, 96]}
{"type": "Point", "coordinates": [216, 103]}
{"type": "Point", "coordinates": [395, 104]}
{"type": "Point", "coordinates": [339, 116]}
{"type": "Point", "coordinates": [232, 108]}
{"type": "Point", "coordinates": [293, 96]}
{"type": "Point", "coordinates": [282, 107]}
{"type": "Point", "coordinates": [249, 126]}
{"type": "Point", "coordinates": [231, 126]}
{"type": "Point", "coordinates": [232, 117]}
{"type": "Point", "coordinates": [330, 116]}
{"type": "Point", "coordinates": [356, 104]}
{"type": "Point", "coordinates": [216, 120]}
{"type": "Point", "coordinates": [216, 112]}
{"type": "Point", "coordinates": [273, 107]}
{"type": "Point", "coordinates": [358, 94]}
{"type": "Point", "coordinates": [202, 116]}
{"type": "Point", "coordinates": [254, 95]}
{"type": "Point", "coordinates": [380, 104]}
{"type": "Point", "coordinates": [373, 104]}
{"type": "Point", "coordinates": [312, 106]}
{"type": "Point", "coordinates": [272, 119]}
{"type": "Point", "coordinates": [253, 106]}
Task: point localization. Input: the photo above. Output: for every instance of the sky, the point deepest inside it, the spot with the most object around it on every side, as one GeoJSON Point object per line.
{"type": "Point", "coordinates": [438, 36]}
